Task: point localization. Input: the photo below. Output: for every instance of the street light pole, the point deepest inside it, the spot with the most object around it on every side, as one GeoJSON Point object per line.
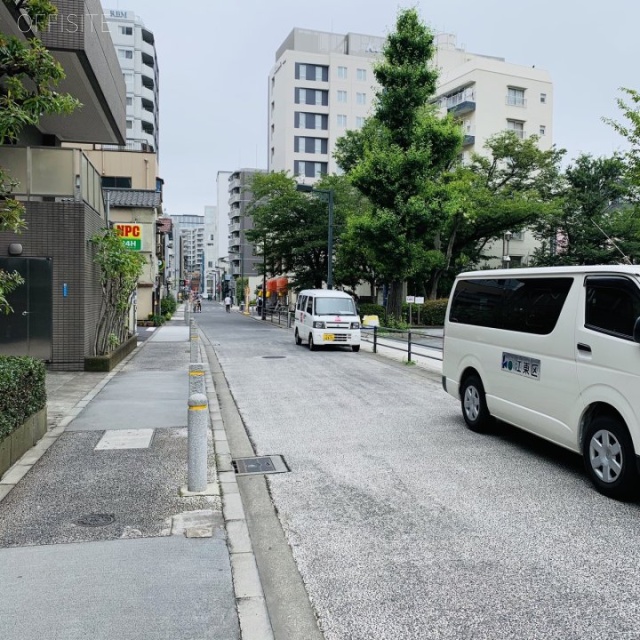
{"type": "Point", "coordinates": [329, 193]}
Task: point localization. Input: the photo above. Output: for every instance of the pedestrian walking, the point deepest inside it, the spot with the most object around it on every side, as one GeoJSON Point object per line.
{"type": "Point", "coordinates": [227, 304]}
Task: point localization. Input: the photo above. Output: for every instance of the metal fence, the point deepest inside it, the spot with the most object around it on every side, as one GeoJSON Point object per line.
{"type": "Point", "coordinates": [425, 343]}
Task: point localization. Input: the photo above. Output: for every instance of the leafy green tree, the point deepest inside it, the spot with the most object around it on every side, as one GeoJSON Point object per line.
{"type": "Point", "coordinates": [291, 227]}
{"type": "Point", "coordinates": [511, 187]}
{"type": "Point", "coordinates": [596, 222]}
{"type": "Point", "coordinates": [28, 77]}
{"type": "Point", "coordinates": [397, 158]}
{"type": "Point", "coordinates": [120, 269]}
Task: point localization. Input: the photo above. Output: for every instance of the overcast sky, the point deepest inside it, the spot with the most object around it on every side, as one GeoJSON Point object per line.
{"type": "Point", "coordinates": [215, 57]}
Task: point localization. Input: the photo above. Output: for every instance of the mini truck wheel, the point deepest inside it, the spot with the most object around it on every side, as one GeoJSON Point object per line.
{"type": "Point", "coordinates": [610, 459]}
{"type": "Point", "coordinates": [474, 405]}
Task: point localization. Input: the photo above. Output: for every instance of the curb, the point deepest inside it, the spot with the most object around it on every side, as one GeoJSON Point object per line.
{"type": "Point", "coordinates": [251, 605]}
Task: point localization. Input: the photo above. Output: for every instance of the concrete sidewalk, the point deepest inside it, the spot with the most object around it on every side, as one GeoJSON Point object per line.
{"type": "Point", "coordinates": [95, 540]}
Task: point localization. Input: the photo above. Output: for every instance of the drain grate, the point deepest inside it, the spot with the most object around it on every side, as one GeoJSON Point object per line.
{"type": "Point", "coordinates": [259, 464]}
{"type": "Point", "coordinates": [96, 520]}
{"type": "Point", "coordinates": [273, 357]}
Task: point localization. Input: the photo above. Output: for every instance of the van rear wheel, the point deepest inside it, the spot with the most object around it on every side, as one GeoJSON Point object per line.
{"type": "Point", "coordinates": [355, 348]}
{"type": "Point", "coordinates": [610, 459]}
{"type": "Point", "coordinates": [474, 405]}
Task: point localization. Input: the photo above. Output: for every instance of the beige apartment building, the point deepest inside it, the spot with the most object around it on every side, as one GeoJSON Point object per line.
{"type": "Point", "coordinates": [322, 84]}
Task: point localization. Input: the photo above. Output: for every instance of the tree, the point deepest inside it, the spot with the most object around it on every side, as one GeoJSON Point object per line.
{"type": "Point", "coordinates": [397, 158]}
{"type": "Point", "coordinates": [596, 222]}
{"type": "Point", "coordinates": [28, 77]}
{"type": "Point", "coordinates": [512, 187]}
{"type": "Point", "coordinates": [291, 227]}
{"type": "Point", "coordinates": [120, 268]}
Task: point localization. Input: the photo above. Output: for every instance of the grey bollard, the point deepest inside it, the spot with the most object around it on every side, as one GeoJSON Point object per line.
{"type": "Point", "coordinates": [193, 343]}
{"type": "Point", "coordinates": [197, 425]}
{"type": "Point", "coordinates": [196, 378]}
{"type": "Point", "coordinates": [187, 314]}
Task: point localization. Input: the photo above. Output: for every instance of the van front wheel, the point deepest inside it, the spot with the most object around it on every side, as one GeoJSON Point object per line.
{"type": "Point", "coordinates": [312, 346]}
{"type": "Point", "coordinates": [474, 405]}
{"type": "Point", "coordinates": [610, 459]}
{"type": "Point", "coordinates": [298, 339]}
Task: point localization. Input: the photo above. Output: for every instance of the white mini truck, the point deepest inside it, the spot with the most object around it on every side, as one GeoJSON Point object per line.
{"type": "Point", "coordinates": [326, 316]}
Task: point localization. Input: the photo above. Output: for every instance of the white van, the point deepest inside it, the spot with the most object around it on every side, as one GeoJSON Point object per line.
{"type": "Point", "coordinates": [553, 351]}
{"type": "Point", "coordinates": [326, 316]}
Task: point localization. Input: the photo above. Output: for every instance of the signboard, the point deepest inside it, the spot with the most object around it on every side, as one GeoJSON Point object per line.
{"type": "Point", "coordinates": [419, 299]}
{"type": "Point", "coordinates": [131, 235]}
{"type": "Point", "coordinates": [410, 299]}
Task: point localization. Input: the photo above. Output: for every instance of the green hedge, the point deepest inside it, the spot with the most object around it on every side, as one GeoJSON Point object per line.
{"type": "Point", "coordinates": [22, 392]}
{"type": "Point", "coordinates": [369, 309]}
{"type": "Point", "coordinates": [168, 305]}
{"type": "Point", "coordinates": [432, 313]}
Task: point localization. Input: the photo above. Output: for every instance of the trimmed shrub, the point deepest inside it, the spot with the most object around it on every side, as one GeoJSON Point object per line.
{"type": "Point", "coordinates": [432, 313]}
{"type": "Point", "coordinates": [168, 305]}
{"type": "Point", "coordinates": [369, 309]}
{"type": "Point", "coordinates": [22, 392]}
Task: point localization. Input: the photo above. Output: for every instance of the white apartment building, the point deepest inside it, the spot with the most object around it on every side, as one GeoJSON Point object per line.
{"type": "Point", "coordinates": [189, 244]}
{"type": "Point", "coordinates": [322, 84]}
{"type": "Point", "coordinates": [135, 46]}
{"type": "Point", "coordinates": [210, 223]}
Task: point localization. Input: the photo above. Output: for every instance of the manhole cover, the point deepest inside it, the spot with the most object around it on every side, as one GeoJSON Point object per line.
{"type": "Point", "coordinates": [273, 357]}
{"type": "Point", "coordinates": [259, 464]}
{"type": "Point", "coordinates": [96, 520]}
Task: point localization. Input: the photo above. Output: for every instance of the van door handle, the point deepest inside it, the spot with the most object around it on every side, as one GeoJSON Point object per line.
{"type": "Point", "coordinates": [584, 347]}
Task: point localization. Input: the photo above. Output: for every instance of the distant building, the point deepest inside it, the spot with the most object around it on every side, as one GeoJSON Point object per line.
{"type": "Point", "coordinates": [243, 256]}
{"type": "Point", "coordinates": [135, 47]}
{"type": "Point", "coordinates": [321, 85]}
{"type": "Point", "coordinates": [189, 243]}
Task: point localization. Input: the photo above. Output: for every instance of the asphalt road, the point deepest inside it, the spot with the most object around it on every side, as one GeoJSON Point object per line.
{"type": "Point", "coordinates": [406, 525]}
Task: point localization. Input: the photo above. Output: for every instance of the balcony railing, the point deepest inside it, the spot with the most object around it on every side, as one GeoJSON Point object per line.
{"type": "Point", "coordinates": [47, 172]}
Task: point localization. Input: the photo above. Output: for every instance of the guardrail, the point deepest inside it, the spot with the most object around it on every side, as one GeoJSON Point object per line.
{"type": "Point", "coordinates": [416, 343]}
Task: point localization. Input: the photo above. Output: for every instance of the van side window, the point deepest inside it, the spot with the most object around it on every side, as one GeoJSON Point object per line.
{"type": "Point", "coordinates": [310, 305]}
{"type": "Point", "coordinates": [528, 305]}
{"type": "Point", "coordinates": [612, 305]}
{"type": "Point", "coordinates": [302, 303]}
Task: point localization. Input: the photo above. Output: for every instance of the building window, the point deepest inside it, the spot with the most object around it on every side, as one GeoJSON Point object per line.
{"type": "Point", "coordinates": [543, 129]}
{"type": "Point", "coordinates": [309, 169]}
{"type": "Point", "coordinates": [516, 126]}
{"type": "Point", "coordinates": [311, 120]}
{"type": "Point", "coordinates": [342, 96]}
{"type": "Point", "coordinates": [342, 121]}
{"type": "Point", "coordinates": [361, 98]}
{"type": "Point", "coordinates": [126, 31]}
{"type": "Point", "coordinates": [315, 72]}
{"type": "Point", "coordinates": [515, 97]}
{"type": "Point", "coordinates": [359, 122]}
{"type": "Point", "coordinates": [361, 74]}
{"type": "Point", "coordinates": [303, 144]}
{"type": "Point", "coordinates": [129, 101]}
{"type": "Point", "coordinates": [129, 124]}
{"type": "Point", "coordinates": [342, 73]}
{"type": "Point", "coordinates": [311, 96]}
{"type": "Point", "coordinates": [543, 98]}
{"type": "Point", "coordinates": [116, 182]}
{"type": "Point", "coordinates": [127, 54]}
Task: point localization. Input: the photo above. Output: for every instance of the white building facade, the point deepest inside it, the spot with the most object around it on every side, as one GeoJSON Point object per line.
{"type": "Point", "coordinates": [135, 46]}
{"type": "Point", "coordinates": [323, 84]}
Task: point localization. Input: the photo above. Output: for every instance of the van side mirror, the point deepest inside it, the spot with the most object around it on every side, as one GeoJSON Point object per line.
{"type": "Point", "coordinates": [636, 330]}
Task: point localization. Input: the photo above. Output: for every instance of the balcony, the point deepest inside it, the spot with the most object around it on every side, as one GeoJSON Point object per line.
{"type": "Point", "coordinates": [235, 184]}
{"type": "Point", "coordinates": [468, 106]}
{"type": "Point", "coordinates": [235, 197]}
{"type": "Point", "coordinates": [234, 227]}
{"type": "Point", "coordinates": [468, 140]}
{"type": "Point", "coordinates": [47, 173]}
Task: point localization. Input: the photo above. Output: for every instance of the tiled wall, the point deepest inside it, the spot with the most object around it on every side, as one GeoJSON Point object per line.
{"type": "Point", "coordinates": [62, 231]}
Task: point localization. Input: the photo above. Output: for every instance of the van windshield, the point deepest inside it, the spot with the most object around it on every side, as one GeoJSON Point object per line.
{"type": "Point", "coordinates": [335, 307]}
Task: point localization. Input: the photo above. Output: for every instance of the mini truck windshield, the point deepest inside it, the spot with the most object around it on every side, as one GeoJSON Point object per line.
{"type": "Point", "coordinates": [335, 307]}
